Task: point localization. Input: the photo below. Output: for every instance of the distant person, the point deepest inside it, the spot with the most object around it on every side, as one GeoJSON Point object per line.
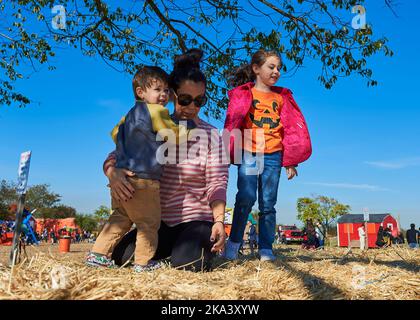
{"type": "Point", "coordinates": [279, 236]}
{"type": "Point", "coordinates": [320, 234]}
{"type": "Point", "coordinates": [310, 239]}
{"type": "Point", "coordinates": [418, 240]}
{"type": "Point", "coordinates": [412, 236]}
{"type": "Point", "coordinates": [394, 235]}
{"type": "Point", "coordinates": [245, 238]}
{"type": "Point", "coordinates": [44, 236]}
{"type": "Point", "coordinates": [92, 238]}
{"type": "Point", "coordinates": [380, 237]}
{"type": "Point", "coordinates": [77, 237]}
{"type": "Point", "coordinates": [400, 238]}
{"type": "Point", "coordinates": [362, 237]}
{"type": "Point", "coordinates": [53, 237]}
{"type": "Point", "coordinates": [387, 237]}
{"type": "Point", "coordinates": [252, 237]}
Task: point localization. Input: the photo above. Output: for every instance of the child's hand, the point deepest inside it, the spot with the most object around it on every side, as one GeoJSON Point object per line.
{"type": "Point", "coordinates": [291, 172]}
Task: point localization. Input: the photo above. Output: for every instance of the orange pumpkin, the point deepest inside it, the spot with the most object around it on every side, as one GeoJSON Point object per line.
{"type": "Point", "coordinates": [263, 117]}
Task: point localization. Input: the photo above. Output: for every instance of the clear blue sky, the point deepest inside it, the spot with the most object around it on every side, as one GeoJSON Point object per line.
{"type": "Point", "coordinates": [365, 140]}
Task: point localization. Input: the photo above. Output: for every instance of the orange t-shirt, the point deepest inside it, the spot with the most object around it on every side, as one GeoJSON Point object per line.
{"type": "Point", "coordinates": [264, 114]}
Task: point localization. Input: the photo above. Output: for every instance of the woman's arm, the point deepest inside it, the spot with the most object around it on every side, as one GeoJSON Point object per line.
{"type": "Point", "coordinates": [217, 171]}
{"type": "Point", "coordinates": [216, 182]}
{"type": "Point", "coordinates": [218, 207]}
{"type": "Point", "coordinates": [218, 234]}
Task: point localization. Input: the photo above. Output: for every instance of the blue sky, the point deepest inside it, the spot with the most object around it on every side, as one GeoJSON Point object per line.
{"type": "Point", "coordinates": [365, 140]}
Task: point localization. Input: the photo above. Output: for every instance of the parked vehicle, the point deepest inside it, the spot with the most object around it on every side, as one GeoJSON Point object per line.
{"type": "Point", "coordinates": [288, 234]}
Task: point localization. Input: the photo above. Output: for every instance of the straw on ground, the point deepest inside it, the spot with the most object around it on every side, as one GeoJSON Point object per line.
{"type": "Point", "coordinates": [391, 273]}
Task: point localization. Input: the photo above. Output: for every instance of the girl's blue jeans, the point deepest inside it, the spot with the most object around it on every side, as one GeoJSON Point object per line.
{"type": "Point", "coordinates": [263, 176]}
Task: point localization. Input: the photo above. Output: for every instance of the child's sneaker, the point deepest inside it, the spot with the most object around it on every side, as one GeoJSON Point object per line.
{"type": "Point", "coordinates": [266, 255]}
{"type": "Point", "coordinates": [231, 250]}
{"type": "Point", "coordinates": [151, 266]}
{"type": "Point", "coordinates": [99, 260]}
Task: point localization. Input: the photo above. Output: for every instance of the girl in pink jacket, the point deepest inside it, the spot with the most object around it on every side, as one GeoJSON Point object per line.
{"type": "Point", "coordinates": [272, 133]}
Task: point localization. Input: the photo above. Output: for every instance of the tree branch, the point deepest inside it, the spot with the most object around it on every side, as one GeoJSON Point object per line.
{"type": "Point", "coordinates": [291, 17]}
{"type": "Point", "coordinates": [168, 24]}
{"type": "Point", "coordinates": [196, 33]}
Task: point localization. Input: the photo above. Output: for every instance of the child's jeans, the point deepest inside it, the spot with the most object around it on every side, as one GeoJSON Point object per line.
{"type": "Point", "coordinates": [143, 210]}
{"type": "Point", "coordinates": [266, 180]}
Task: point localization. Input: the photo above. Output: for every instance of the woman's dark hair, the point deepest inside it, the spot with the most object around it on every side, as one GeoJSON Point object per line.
{"type": "Point", "coordinates": [244, 73]}
{"type": "Point", "coordinates": [187, 67]}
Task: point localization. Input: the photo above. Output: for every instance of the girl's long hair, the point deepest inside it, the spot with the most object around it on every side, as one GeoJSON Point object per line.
{"type": "Point", "coordinates": [244, 73]}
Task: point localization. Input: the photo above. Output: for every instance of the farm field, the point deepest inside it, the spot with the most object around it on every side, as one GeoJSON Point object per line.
{"type": "Point", "coordinates": [333, 273]}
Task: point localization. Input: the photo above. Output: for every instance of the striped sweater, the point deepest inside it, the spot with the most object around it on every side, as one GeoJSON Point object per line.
{"type": "Point", "coordinates": [188, 187]}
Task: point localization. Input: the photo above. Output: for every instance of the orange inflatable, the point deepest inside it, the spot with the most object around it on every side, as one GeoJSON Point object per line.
{"type": "Point", "coordinates": [55, 224]}
{"type": "Point", "coordinates": [7, 239]}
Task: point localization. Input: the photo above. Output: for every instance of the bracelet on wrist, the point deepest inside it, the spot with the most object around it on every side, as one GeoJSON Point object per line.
{"type": "Point", "coordinates": [219, 222]}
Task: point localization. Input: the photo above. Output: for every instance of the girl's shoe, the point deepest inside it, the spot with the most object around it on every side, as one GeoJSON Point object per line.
{"type": "Point", "coordinates": [266, 255]}
{"type": "Point", "coordinates": [99, 260]}
{"type": "Point", "coordinates": [151, 266]}
{"type": "Point", "coordinates": [231, 250]}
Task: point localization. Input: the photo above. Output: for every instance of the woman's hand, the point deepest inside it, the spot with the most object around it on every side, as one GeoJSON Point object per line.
{"type": "Point", "coordinates": [291, 172]}
{"type": "Point", "coordinates": [218, 236]}
{"type": "Point", "coordinates": [121, 188]}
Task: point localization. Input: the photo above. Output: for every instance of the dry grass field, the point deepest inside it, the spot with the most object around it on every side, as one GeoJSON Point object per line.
{"type": "Point", "coordinates": [333, 273]}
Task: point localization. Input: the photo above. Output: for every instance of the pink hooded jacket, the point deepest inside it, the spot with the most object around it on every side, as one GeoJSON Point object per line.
{"type": "Point", "coordinates": [296, 141]}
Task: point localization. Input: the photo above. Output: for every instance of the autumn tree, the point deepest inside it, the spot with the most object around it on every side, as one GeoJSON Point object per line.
{"type": "Point", "coordinates": [8, 196]}
{"type": "Point", "coordinates": [37, 196]}
{"type": "Point", "coordinates": [40, 197]}
{"type": "Point", "coordinates": [320, 209]}
{"type": "Point", "coordinates": [130, 33]}
{"type": "Point", "coordinates": [102, 214]}
{"type": "Point", "coordinates": [60, 211]}
{"type": "Point", "coordinates": [86, 222]}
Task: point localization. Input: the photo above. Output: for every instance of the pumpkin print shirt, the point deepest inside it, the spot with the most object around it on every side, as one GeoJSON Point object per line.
{"type": "Point", "coordinates": [263, 118]}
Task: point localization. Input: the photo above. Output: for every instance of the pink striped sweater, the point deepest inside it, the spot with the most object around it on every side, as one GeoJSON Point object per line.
{"type": "Point", "coordinates": [188, 187]}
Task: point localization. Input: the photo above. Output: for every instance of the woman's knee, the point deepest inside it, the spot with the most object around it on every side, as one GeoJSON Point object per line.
{"type": "Point", "coordinates": [192, 251]}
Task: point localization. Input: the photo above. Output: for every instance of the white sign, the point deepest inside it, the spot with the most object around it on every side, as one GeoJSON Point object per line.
{"type": "Point", "coordinates": [366, 214]}
{"type": "Point", "coordinates": [228, 216]}
{"type": "Point", "coordinates": [23, 171]}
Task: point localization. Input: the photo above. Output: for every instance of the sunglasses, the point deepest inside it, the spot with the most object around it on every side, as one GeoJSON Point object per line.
{"type": "Point", "coordinates": [186, 99]}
